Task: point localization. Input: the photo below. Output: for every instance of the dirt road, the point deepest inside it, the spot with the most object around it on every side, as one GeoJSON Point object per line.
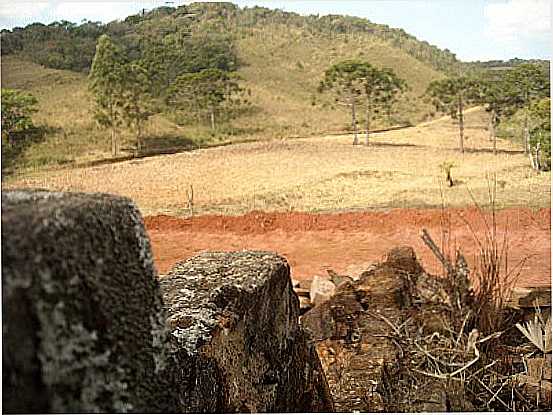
{"type": "Point", "coordinates": [349, 242]}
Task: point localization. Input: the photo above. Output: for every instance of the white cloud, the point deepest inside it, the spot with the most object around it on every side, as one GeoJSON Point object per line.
{"type": "Point", "coordinates": [518, 20]}
{"type": "Point", "coordinates": [12, 9]}
{"type": "Point", "coordinates": [75, 11]}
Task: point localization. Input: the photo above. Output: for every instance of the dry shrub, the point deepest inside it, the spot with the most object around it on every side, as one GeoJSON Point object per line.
{"type": "Point", "coordinates": [493, 279]}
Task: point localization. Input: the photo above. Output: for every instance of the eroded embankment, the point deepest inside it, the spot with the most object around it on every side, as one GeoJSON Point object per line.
{"type": "Point", "coordinates": [348, 242]}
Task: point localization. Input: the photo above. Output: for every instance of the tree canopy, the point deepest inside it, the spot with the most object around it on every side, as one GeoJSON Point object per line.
{"type": "Point", "coordinates": [345, 79]}
{"type": "Point", "coordinates": [452, 95]}
{"type": "Point", "coordinates": [357, 83]}
{"type": "Point", "coordinates": [106, 80]}
{"type": "Point", "coordinates": [17, 108]}
{"type": "Point", "coordinates": [207, 94]}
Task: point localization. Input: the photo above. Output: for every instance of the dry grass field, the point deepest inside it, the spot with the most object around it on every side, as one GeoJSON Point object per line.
{"type": "Point", "coordinates": [400, 169]}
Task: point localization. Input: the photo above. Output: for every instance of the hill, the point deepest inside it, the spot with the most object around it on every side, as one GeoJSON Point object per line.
{"type": "Point", "coordinates": [280, 56]}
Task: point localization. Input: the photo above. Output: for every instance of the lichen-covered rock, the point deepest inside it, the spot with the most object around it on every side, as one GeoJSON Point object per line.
{"type": "Point", "coordinates": [233, 319]}
{"type": "Point", "coordinates": [83, 323]}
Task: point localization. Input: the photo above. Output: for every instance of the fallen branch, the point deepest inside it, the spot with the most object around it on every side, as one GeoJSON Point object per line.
{"type": "Point", "coordinates": [427, 239]}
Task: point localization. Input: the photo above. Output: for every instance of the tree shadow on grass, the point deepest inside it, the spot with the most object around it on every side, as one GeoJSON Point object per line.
{"type": "Point", "coordinates": [381, 144]}
{"type": "Point", "coordinates": [490, 151]}
{"type": "Point", "coordinates": [12, 154]}
{"type": "Point", "coordinates": [165, 144]}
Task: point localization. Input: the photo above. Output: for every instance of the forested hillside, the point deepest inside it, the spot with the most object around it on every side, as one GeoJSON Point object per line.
{"type": "Point", "coordinates": [276, 60]}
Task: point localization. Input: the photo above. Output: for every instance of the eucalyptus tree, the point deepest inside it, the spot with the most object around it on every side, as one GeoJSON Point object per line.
{"type": "Point", "coordinates": [136, 98]}
{"type": "Point", "coordinates": [451, 96]}
{"type": "Point", "coordinates": [106, 81]}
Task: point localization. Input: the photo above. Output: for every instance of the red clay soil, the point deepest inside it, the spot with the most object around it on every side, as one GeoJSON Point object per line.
{"type": "Point", "coordinates": [349, 242]}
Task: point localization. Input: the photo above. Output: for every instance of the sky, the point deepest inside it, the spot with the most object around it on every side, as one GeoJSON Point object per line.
{"type": "Point", "coordinates": [472, 29]}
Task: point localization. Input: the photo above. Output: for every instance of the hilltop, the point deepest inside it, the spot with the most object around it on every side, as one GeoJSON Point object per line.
{"type": "Point", "coordinates": [280, 56]}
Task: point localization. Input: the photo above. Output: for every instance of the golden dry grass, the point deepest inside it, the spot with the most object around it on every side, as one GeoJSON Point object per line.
{"type": "Point", "coordinates": [400, 169]}
{"type": "Point", "coordinates": [283, 67]}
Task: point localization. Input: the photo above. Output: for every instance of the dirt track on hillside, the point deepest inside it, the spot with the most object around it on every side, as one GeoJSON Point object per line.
{"type": "Point", "coordinates": [349, 242]}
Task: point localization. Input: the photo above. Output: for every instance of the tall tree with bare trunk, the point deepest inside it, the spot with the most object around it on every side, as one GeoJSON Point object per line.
{"type": "Point", "coordinates": [346, 80]}
{"type": "Point", "coordinates": [452, 96]}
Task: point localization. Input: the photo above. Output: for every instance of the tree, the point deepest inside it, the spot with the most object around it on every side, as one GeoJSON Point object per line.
{"type": "Point", "coordinates": [451, 96]}
{"type": "Point", "coordinates": [106, 80]}
{"type": "Point", "coordinates": [494, 96]}
{"type": "Point", "coordinates": [540, 135]}
{"type": "Point", "coordinates": [526, 83]}
{"type": "Point", "coordinates": [346, 80]}
{"type": "Point", "coordinates": [17, 108]}
{"type": "Point", "coordinates": [136, 105]}
{"type": "Point", "coordinates": [380, 88]}
{"type": "Point", "coordinates": [210, 92]}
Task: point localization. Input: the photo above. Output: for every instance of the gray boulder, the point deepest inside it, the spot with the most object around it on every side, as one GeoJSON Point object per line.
{"type": "Point", "coordinates": [234, 322]}
{"type": "Point", "coordinates": [83, 324]}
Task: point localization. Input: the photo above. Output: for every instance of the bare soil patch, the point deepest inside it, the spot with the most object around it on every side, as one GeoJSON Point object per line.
{"type": "Point", "coordinates": [349, 242]}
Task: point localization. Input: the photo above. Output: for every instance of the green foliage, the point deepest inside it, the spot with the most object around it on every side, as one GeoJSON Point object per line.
{"type": "Point", "coordinates": [208, 93]}
{"type": "Point", "coordinates": [451, 95]}
{"type": "Point", "coordinates": [106, 82]}
{"type": "Point", "coordinates": [540, 135]}
{"type": "Point", "coordinates": [381, 88]}
{"type": "Point", "coordinates": [345, 79]}
{"type": "Point", "coordinates": [517, 91]}
{"type": "Point", "coordinates": [17, 108]}
{"type": "Point", "coordinates": [136, 103]}
{"type": "Point", "coordinates": [354, 82]}
{"type": "Point", "coordinates": [59, 45]}
{"type": "Point", "coordinates": [177, 54]}
{"type": "Point", "coordinates": [527, 83]}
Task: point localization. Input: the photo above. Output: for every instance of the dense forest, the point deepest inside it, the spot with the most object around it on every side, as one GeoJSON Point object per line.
{"type": "Point", "coordinates": [66, 45]}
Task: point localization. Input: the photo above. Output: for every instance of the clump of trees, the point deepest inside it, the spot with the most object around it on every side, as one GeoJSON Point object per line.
{"type": "Point", "coordinates": [129, 87]}
{"type": "Point", "coordinates": [520, 90]}
{"type": "Point", "coordinates": [356, 84]}
{"type": "Point", "coordinates": [208, 94]}
{"type": "Point", "coordinates": [17, 109]}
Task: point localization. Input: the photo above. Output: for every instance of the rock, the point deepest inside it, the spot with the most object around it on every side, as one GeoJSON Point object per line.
{"type": "Point", "coordinates": [321, 290]}
{"type": "Point", "coordinates": [403, 258]}
{"type": "Point", "coordinates": [305, 284]}
{"type": "Point", "coordinates": [305, 305]}
{"type": "Point", "coordinates": [302, 292]}
{"type": "Point", "coordinates": [338, 279]}
{"type": "Point", "coordinates": [83, 324]}
{"type": "Point", "coordinates": [353, 333]}
{"type": "Point", "coordinates": [234, 324]}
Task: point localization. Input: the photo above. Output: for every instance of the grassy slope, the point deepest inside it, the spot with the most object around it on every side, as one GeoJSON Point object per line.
{"type": "Point", "coordinates": [284, 67]}
{"type": "Point", "coordinates": [281, 66]}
